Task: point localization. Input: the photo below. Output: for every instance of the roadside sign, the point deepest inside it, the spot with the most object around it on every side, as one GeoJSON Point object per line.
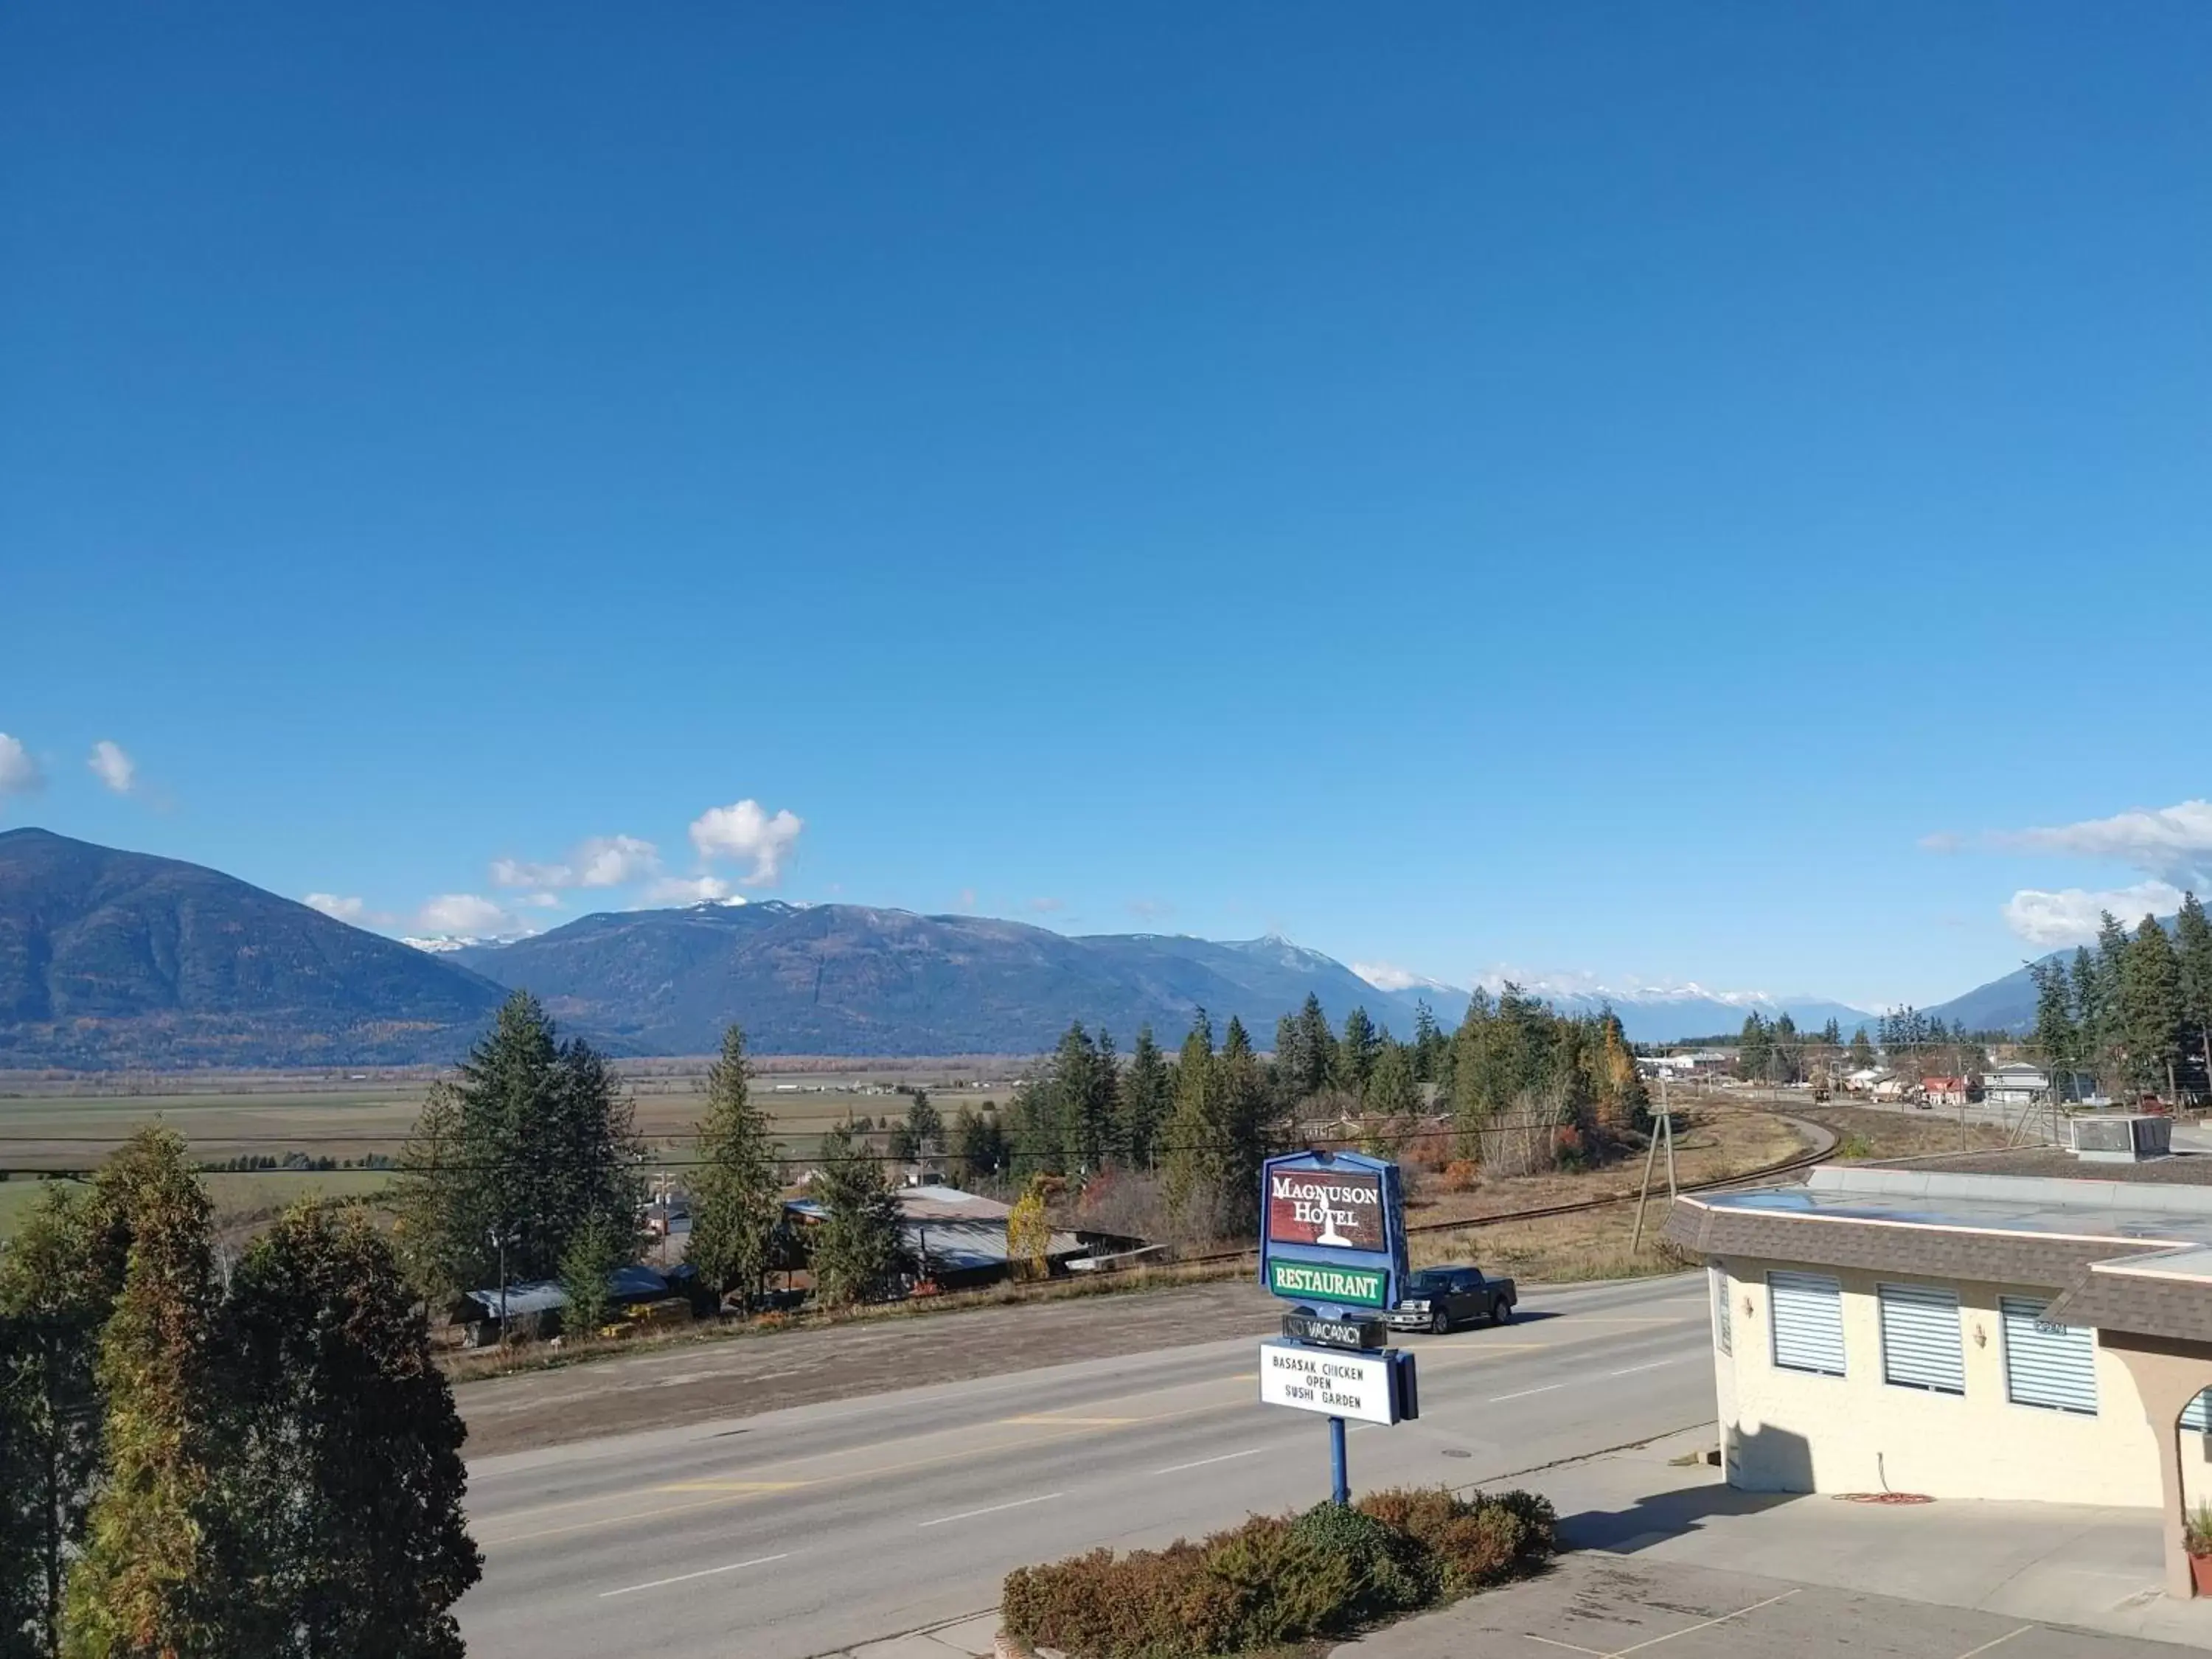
{"type": "Point", "coordinates": [1332, 1229]}
{"type": "Point", "coordinates": [1341, 1208]}
{"type": "Point", "coordinates": [1333, 1332]}
{"type": "Point", "coordinates": [1318, 1281]}
{"type": "Point", "coordinates": [1363, 1387]}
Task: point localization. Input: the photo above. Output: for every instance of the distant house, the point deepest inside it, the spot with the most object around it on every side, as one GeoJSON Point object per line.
{"type": "Point", "coordinates": [1946, 1090]}
{"type": "Point", "coordinates": [1864, 1081]}
{"type": "Point", "coordinates": [956, 1240]}
{"type": "Point", "coordinates": [2015, 1084]}
{"type": "Point", "coordinates": [534, 1308]}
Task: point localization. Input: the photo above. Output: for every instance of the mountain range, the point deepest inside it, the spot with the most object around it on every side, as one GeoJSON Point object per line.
{"type": "Point", "coordinates": [114, 959]}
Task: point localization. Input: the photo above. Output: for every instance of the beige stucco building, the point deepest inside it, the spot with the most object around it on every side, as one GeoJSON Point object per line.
{"type": "Point", "coordinates": [1966, 1334]}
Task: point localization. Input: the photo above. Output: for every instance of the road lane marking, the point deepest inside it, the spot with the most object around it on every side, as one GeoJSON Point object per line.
{"type": "Point", "coordinates": [1499, 1399]}
{"type": "Point", "coordinates": [1177, 1469]}
{"type": "Point", "coordinates": [733, 1486]}
{"type": "Point", "coordinates": [704, 1572]}
{"type": "Point", "coordinates": [1631, 1371]}
{"type": "Point", "coordinates": [1549, 1642]}
{"type": "Point", "coordinates": [969, 1514]}
{"type": "Point", "coordinates": [1049, 1420]}
{"type": "Point", "coordinates": [1986, 1646]}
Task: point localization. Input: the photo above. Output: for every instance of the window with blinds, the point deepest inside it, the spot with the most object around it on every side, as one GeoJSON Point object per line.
{"type": "Point", "coordinates": [1723, 1333]}
{"type": "Point", "coordinates": [2196, 1417]}
{"type": "Point", "coordinates": [2051, 1366]}
{"type": "Point", "coordinates": [1806, 1312]}
{"type": "Point", "coordinates": [1920, 1345]}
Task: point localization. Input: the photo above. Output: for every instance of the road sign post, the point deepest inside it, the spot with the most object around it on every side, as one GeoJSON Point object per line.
{"type": "Point", "coordinates": [1333, 1239]}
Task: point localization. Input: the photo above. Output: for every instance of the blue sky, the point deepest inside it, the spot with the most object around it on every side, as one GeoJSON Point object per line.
{"type": "Point", "coordinates": [1588, 490]}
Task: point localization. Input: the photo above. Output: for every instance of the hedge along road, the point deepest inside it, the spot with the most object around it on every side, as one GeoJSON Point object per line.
{"type": "Point", "coordinates": [805, 1531]}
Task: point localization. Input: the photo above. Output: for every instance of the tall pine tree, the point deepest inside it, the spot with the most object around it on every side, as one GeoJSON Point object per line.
{"type": "Point", "coordinates": [1145, 1099]}
{"type": "Point", "coordinates": [735, 1194]}
{"type": "Point", "coordinates": [856, 1244]}
{"type": "Point", "coordinates": [2192, 936]}
{"type": "Point", "coordinates": [1192, 1157]}
{"type": "Point", "coordinates": [2151, 1007]}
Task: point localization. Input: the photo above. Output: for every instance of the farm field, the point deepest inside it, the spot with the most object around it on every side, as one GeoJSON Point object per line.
{"type": "Point", "coordinates": [43, 1128]}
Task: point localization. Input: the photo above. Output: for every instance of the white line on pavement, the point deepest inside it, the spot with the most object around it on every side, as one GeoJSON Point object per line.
{"type": "Point", "coordinates": [1631, 1371]}
{"type": "Point", "coordinates": [1499, 1399]}
{"type": "Point", "coordinates": [684, 1578]}
{"type": "Point", "coordinates": [969, 1514]}
{"type": "Point", "coordinates": [1999, 1642]}
{"type": "Point", "coordinates": [1177, 1469]}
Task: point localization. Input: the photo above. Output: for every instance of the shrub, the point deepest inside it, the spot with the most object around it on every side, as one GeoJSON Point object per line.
{"type": "Point", "coordinates": [1462, 1174]}
{"type": "Point", "coordinates": [1275, 1579]}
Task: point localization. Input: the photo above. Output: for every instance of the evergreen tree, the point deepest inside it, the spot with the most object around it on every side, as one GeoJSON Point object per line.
{"type": "Point", "coordinates": [1192, 1160]}
{"type": "Point", "coordinates": [1356, 1052]}
{"type": "Point", "coordinates": [2110, 1030]}
{"type": "Point", "coordinates": [1832, 1035]}
{"type": "Point", "coordinates": [2151, 1007]}
{"type": "Point", "coordinates": [1146, 1098]}
{"type": "Point", "coordinates": [59, 1278]}
{"type": "Point", "coordinates": [980, 1146]}
{"type": "Point", "coordinates": [2193, 944]}
{"type": "Point", "coordinates": [1754, 1052]}
{"type": "Point", "coordinates": [533, 1143]}
{"type": "Point", "coordinates": [2057, 1036]}
{"type": "Point", "coordinates": [856, 1245]}
{"type": "Point", "coordinates": [1392, 1093]}
{"type": "Point", "coordinates": [1313, 1062]}
{"type": "Point", "coordinates": [1862, 1050]}
{"type": "Point", "coordinates": [148, 1580]}
{"type": "Point", "coordinates": [1246, 1116]}
{"type": "Point", "coordinates": [344, 1531]}
{"type": "Point", "coordinates": [925, 1124]}
{"type": "Point", "coordinates": [1429, 1044]}
{"type": "Point", "coordinates": [735, 1201]}
{"type": "Point", "coordinates": [594, 1250]}
{"type": "Point", "coordinates": [1037, 1129]}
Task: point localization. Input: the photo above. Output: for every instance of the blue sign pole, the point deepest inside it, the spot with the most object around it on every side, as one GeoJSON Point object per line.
{"type": "Point", "coordinates": [1340, 1494]}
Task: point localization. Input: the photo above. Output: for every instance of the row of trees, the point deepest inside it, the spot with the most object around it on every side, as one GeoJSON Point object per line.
{"type": "Point", "coordinates": [1530, 1084]}
{"type": "Point", "coordinates": [190, 1468]}
{"type": "Point", "coordinates": [2136, 1010]}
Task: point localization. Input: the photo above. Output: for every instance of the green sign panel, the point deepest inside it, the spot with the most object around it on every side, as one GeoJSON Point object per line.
{"type": "Point", "coordinates": [1359, 1287]}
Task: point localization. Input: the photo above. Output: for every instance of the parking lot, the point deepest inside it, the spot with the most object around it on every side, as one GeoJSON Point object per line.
{"type": "Point", "coordinates": [1607, 1606]}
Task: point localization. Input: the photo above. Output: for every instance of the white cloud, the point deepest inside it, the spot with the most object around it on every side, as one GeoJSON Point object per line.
{"type": "Point", "coordinates": [600, 861]}
{"type": "Point", "coordinates": [742, 831]}
{"type": "Point", "coordinates": [464, 914]}
{"type": "Point", "coordinates": [691, 890]}
{"type": "Point", "coordinates": [19, 772]}
{"type": "Point", "coordinates": [2070, 916]}
{"type": "Point", "coordinates": [542, 900]}
{"type": "Point", "coordinates": [331, 904]}
{"type": "Point", "coordinates": [2171, 843]}
{"type": "Point", "coordinates": [112, 766]}
{"type": "Point", "coordinates": [1387, 977]}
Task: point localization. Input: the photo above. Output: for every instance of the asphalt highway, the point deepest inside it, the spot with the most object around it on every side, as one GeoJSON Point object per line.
{"type": "Point", "coordinates": [807, 1531]}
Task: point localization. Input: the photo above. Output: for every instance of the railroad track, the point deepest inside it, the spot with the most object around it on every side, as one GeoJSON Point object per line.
{"type": "Point", "coordinates": [1790, 1165]}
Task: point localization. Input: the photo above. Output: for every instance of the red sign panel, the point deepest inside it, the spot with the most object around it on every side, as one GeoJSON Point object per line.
{"type": "Point", "coordinates": [1338, 1207]}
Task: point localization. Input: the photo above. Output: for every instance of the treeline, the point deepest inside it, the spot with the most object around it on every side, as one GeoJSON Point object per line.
{"type": "Point", "coordinates": [2136, 1010]}
{"type": "Point", "coordinates": [1517, 1084]}
{"type": "Point", "coordinates": [528, 1166]}
{"type": "Point", "coordinates": [269, 1464]}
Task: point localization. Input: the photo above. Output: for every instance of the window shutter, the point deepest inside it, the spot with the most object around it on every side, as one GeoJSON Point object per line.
{"type": "Point", "coordinates": [1807, 1313]}
{"type": "Point", "coordinates": [1723, 1331]}
{"type": "Point", "coordinates": [2196, 1418]}
{"type": "Point", "coordinates": [1920, 1345]}
{"type": "Point", "coordinates": [2052, 1366]}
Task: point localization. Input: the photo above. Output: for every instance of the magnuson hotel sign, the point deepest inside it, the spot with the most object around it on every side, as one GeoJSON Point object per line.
{"type": "Point", "coordinates": [1339, 1208]}
{"type": "Point", "coordinates": [1330, 1381]}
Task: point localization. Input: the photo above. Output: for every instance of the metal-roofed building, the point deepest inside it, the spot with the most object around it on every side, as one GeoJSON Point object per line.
{"type": "Point", "coordinates": [958, 1239]}
{"type": "Point", "coordinates": [1966, 1333]}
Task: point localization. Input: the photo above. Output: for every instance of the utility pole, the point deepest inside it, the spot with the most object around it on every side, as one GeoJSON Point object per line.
{"type": "Point", "coordinates": [499, 1238]}
{"type": "Point", "coordinates": [1664, 1129]}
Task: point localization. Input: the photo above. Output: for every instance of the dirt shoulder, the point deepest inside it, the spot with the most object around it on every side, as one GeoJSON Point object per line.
{"type": "Point", "coordinates": [697, 1381]}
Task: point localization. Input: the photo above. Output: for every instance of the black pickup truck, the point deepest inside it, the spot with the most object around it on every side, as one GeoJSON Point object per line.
{"type": "Point", "coordinates": [1438, 1298]}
